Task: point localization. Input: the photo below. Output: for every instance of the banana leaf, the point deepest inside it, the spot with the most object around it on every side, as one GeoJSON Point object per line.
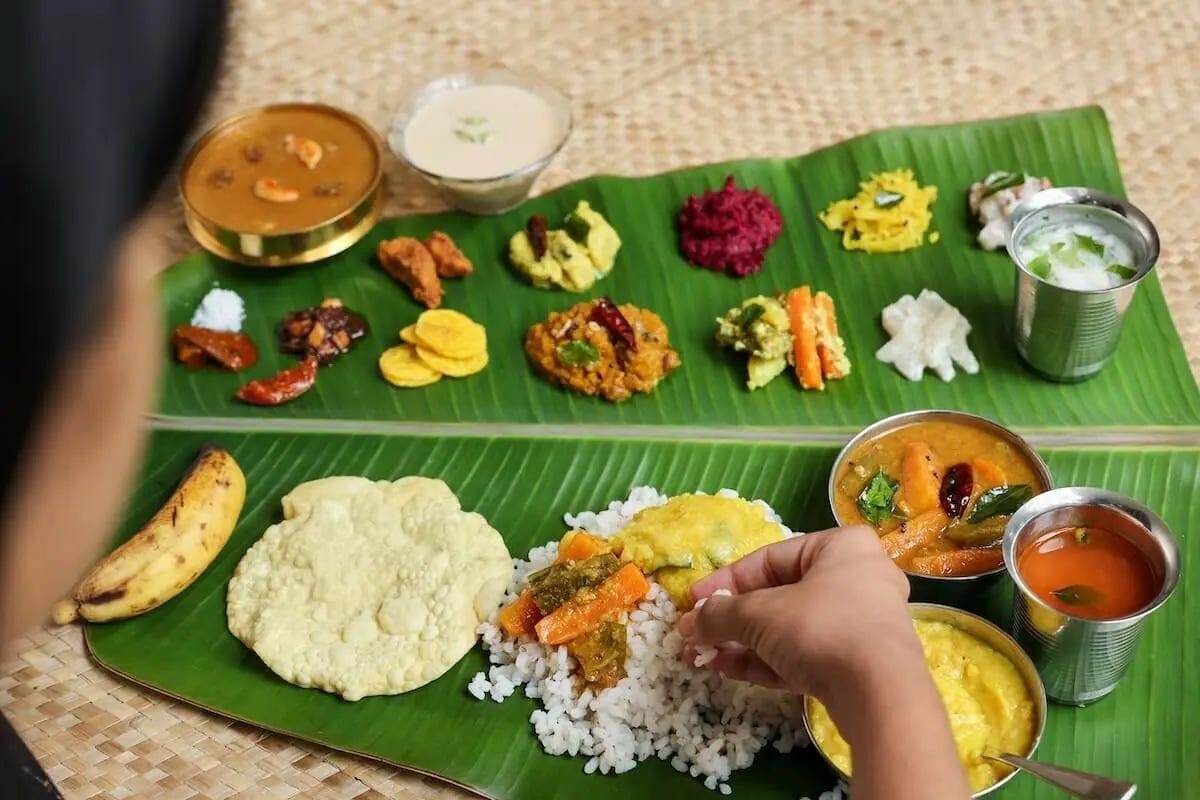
{"type": "Point", "coordinates": [523, 486]}
{"type": "Point", "coordinates": [1148, 382]}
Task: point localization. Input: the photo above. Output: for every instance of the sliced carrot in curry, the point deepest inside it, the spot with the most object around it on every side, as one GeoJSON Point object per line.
{"type": "Point", "coordinates": [920, 479]}
{"type": "Point", "coordinates": [830, 349]}
{"type": "Point", "coordinates": [577, 545]}
{"type": "Point", "coordinates": [958, 562]}
{"type": "Point", "coordinates": [920, 531]}
{"type": "Point", "coordinates": [519, 617]}
{"type": "Point", "coordinates": [988, 472]}
{"type": "Point", "coordinates": [802, 320]}
{"type": "Point", "coordinates": [589, 608]}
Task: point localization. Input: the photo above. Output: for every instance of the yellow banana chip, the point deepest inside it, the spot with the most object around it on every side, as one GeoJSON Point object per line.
{"type": "Point", "coordinates": [409, 334]}
{"type": "Point", "coordinates": [401, 367]}
{"type": "Point", "coordinates": [450, 334]}
{"type": "Point", "coordinates": [454, 367]}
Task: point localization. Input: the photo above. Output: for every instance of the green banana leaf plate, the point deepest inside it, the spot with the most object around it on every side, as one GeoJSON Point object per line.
{"type": "Point", "coordinates": [1142, 732]}
{"type": "Point", "coordinates": [1148, 382]}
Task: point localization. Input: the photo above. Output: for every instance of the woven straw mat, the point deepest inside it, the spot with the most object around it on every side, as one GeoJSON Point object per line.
{"type": "Point", "coordinates": [656, 85]}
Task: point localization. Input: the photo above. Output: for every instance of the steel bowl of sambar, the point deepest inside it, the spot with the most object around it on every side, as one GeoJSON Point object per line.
{"type": "Point", "coordinates": [938, 488]}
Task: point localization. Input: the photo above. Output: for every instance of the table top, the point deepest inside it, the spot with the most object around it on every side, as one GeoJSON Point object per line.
{"type": "Point", "coordinates": [655, 85]}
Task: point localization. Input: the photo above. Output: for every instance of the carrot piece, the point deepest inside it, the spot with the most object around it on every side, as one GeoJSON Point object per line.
{"type": "Point", "coordinates": [920, 531]}
{"type": "Point", "coordinates": [518, 617]}
{"type": "Point", "coordinates": [802, 321]}
{"type": "Point", "coordinates": [588, 609]}
{"type": "Point", "coordinates": [988, 472]}
{"type": "Point", "coordinates": [830, 347]}
{"type": "Point", "coordinates": [577, 545]}
{"type": "Point", "coordinates": [959, 562]}
{"type": "Point", "coordinates": [920, 479]}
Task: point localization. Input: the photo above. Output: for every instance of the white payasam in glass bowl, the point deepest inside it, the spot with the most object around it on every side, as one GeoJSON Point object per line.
{"type": "Point", "coordinates": [481, 137]}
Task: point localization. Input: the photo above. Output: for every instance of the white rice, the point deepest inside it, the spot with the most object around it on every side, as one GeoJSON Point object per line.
{"type": "Point", "coordinates": [833, 794]}
{"type": "Point", "coordinates": [220, 310]}
{"type": "Point", "coordinates": [701, 723]}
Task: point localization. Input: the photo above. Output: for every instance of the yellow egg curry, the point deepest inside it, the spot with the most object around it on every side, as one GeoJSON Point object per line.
{"type": "Point", "coordinates": [690, 537]}
{"type": "Point", "coordinates": [988, 701]}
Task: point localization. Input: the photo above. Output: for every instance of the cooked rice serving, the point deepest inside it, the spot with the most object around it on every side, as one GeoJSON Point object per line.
{"type": "Point", "coordinates": [698, 721]}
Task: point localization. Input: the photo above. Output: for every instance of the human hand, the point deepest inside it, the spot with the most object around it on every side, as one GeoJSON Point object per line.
{"type": "Point", "coordinates": [806, 614]}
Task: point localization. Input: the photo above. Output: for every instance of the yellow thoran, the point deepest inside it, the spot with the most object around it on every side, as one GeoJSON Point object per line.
{"type": "Point", "coordinates": [890, 214]}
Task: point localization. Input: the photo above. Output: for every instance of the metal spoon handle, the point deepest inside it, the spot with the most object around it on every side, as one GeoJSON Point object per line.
{"type": "Point", "coordinates": [1078, 784]}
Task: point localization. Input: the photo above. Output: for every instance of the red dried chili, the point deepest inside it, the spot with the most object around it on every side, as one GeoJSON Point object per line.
{"type": "Point", "coordinates": [606, 313]}
{"type": "Point", "coordinates": [957, 486]}
{"type": "Point", "coordinates": [536, 230]}
{"type": "Point", "coordinates": [233, 351]}
{"type": "Point", "coordinates": [281, 388]}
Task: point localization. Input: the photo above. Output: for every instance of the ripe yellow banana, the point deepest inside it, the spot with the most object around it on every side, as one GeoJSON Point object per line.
{"type": "Point", "coordinates": [170, 551]}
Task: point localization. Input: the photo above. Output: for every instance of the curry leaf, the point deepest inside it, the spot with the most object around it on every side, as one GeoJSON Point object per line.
{"type": "Point", "coordinates": [888, 199]}
{"type": "Point", "coordinates": [577, 353]}
{"type": "Point", "coordinates": [877, 501]}
{"type": "Point", "coordinates": [1001, 181]}
{"type": "Point", "coordinates": [1040, 266]}
{"type": "Point", "coordinates": [1000, 501]}
{"type": "Point", "coordinates": [749, 314]}
{"type": "Point", "coordinates": [1085, 242]}
{"type": "Point", "coordinates": [1124, 273]}
{"type": "Point", "coordinates": [1077, 594]}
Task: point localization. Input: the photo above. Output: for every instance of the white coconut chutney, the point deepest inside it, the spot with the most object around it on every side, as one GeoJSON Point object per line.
{"type": "Point", "coordinates": [482, 132]}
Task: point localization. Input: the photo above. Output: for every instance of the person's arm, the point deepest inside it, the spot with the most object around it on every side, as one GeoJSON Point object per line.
{"type": "Point", "coordinates": [826, 615]}
{"type": "Point", "coordinates": [98, 99]}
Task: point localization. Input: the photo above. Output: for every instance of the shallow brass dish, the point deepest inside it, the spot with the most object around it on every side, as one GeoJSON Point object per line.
{"type": "Point", "coordinates": [285, 248]}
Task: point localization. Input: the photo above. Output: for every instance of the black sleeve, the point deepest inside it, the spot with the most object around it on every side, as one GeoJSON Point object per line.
{"type": "Point", "coordinates": [97, 98]}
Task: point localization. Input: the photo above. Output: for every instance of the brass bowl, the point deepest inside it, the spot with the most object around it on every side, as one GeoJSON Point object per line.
{"type": "Point", "coordinates": [992, 636]}
{"type": "Point", "coordinates": [286, 248]}
{"type": "Point", "coordinates": [947, 590]}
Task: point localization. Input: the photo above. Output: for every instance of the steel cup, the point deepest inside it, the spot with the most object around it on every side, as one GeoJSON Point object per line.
{"type": "Point", "coordinates": [1081, 660]}
{"type": "Point", "coordinates": [1069, 334]}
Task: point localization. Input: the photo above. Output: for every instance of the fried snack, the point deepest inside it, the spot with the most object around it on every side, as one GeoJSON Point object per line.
{"type": "Point", "coordinates": [450, 261]}
{"type": "Point", "coordinates": [409, 334]}
{"type": "Point", "coordinates": [450, 334]}
{"type": "Point", "coordinates": [401, 367]}
{"type": "Point", "coordinates": [454, 367]}
{"type": "Point", "coordinates": [410, 262]}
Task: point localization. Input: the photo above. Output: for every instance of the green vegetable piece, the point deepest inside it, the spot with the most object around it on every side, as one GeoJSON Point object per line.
{"type": "Point", "coordinates": [1085, 242]}
{"type": "Point", "coordinates": [888, 199]}
{"type": "Point", "coordinates": [1078, 594]}
{"type": "Point", "coordinates": [473, 121]}
{"type": "Point", "coordinates": [983, 534]}
{"type": "Point", "coordinates": [558, 583]}
{"type": "Point", "coordinates": [1002, 181]}
{"type": "Point", "coordinates": [465, 136]}
{"type": "Point", "coordinates": [1040, 266]}
{"type": "Point", "coordinates": [749, 314]}
{"type": "Point", "coordinates": [577, 227]}
{"type": "Point", "coordinates": [1082, 536]}
{"type": "Point", "coordinates": [877, 501]}
{"type": "Point", "coordinates": [1124, 273]}
{"type": "Point", "coordinates": [1000, 501]}
{"type": "Point", "coordinates": [577, 353]}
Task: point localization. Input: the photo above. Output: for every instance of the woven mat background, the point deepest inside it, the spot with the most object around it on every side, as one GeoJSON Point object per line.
{"type": "Point", "coordinates": [656, 84]}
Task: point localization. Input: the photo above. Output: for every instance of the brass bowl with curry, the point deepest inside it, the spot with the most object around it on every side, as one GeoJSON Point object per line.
{"type": "Point", "coordinates": [938, 487]}
{"type": "Point", "coordinates": [993, 695]}
{"type": "Point", "coordinates": [283, 185]}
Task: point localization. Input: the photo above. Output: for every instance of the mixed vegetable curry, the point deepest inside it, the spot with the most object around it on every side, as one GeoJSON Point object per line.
{"type": "Point", "coordinates": [583, 599]}
{"type": "Point", "coordinates": [938, 493]}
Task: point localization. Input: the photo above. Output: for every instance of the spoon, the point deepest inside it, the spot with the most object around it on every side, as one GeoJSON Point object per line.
{"type": "Point", "coordinates": [1083, 785]}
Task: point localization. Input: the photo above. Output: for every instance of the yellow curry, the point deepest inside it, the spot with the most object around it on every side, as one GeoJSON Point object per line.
{"type": "Point", "coordinates": [989, 703]}
{"type": "Point", "coordinates": [938, 493]}
{"type": "Point", "coordinates": [691, 536]}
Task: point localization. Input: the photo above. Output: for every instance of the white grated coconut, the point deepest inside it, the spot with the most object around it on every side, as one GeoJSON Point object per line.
{"type": "Point", "coordinates": [220, 310]}
{"type": "Point", "coordinates": [696, 720]}
{"type": "Point", "coordinates": [927, 333]}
